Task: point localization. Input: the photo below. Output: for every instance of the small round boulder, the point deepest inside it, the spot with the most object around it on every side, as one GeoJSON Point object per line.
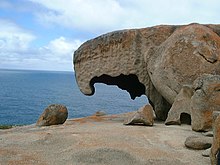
{"type": "Point", "coordinates": [53, 115]}
{"type": "Point", "coordinates": [198, 142]}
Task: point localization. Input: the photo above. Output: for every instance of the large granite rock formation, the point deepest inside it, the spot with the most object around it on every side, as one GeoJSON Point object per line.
{"type": "Point", "coordinates": [156, 61]}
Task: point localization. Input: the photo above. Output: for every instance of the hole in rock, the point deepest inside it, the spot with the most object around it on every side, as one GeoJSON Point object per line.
{"type": "Point", "coordinates": [185, 118]}
{"type": "Point", "coordinates": [130, 83]}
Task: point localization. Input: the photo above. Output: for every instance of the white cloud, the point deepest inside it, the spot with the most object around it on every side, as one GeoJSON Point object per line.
{"type": "Point", "coordinates": [16, 50]}
{"type": "Point", "coordinates": [81, 14]}
{"type": "Point", "coordinates": [102, 15]}
{"type": "Point", "coordinates": [13, 38]}
{"type": "Point", "coordinates": [59, 52]}
{"type": "Point", "coordinates": [57, 55]}
{"type": "Point", "coordinates": [61, 46]}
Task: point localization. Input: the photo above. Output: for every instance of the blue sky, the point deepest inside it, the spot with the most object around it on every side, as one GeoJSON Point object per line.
{"type": "Point", "coordinates": [43, 34]}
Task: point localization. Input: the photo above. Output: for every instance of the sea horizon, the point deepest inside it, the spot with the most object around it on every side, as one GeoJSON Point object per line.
{"type": "Point", "coordinates": [43, 70]}
{"type": "Point", "coordinates": [24, 95]}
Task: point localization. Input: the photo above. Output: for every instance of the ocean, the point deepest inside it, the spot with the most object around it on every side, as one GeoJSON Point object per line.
{"type": "Point", "coordinates": [24, 95]}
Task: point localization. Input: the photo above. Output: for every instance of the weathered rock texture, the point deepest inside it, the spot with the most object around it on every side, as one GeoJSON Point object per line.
{"type": "Point", "coordinates": [145, 115]}
{"type": "Point", "coordinates": [155, 61]}
{"type": "Point", "coordinates": [180, 107]}
{"type": "Point", "coordinates": [54, 114]}
{"type": "Point", "coordinates": [198, 143]}
{"type": "Point", "coordinates": [99, 140]}
{"type": "Point", "coordinates": [205, 100]}
{"type": "Point", "coordinates": [216, 142]}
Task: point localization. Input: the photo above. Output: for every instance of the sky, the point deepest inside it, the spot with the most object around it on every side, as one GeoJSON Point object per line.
{"type": "Point", "coordinates": [43, 34]}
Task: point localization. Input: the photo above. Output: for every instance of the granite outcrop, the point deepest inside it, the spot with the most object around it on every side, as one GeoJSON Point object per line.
{"type": "Point", "coordinates": [158, 62]}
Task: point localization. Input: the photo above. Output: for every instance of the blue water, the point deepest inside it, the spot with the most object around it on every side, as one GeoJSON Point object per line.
{"type": "Point", "coordinates": [25, 94]}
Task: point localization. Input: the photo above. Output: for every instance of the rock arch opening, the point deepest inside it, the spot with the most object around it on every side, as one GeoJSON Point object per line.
{"type": "Point", "coordinates": [130, 83]}
{"type": "Point", "coordinates": [185, 118]}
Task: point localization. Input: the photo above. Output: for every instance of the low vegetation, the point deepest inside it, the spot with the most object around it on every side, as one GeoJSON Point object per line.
{"type": "Point", "coordinates": [5, 126]}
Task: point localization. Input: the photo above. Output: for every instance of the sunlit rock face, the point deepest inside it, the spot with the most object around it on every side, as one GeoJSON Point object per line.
{"type": "Point", "coordinates": [215, 154]}
{"type": "Point", "coordinates": [205, 101]}
{"type": "Point", "coordinates": [155, 61]}
{"type": "Point", "coordinates": [54, 114]}
{"type": "Point", "coordinates": [180, 111]}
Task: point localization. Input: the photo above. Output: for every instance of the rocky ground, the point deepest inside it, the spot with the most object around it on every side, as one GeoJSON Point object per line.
{"type": "Point", "coordinates": [100, 140]}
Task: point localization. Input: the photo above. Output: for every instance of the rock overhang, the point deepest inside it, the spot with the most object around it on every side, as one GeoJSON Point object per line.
{"type": "Point", "coordinates": [163, 58]}
{"type": "Point", "coordinates": [110, 59]}
{"type": "Point", "coordinates": [130, 83]}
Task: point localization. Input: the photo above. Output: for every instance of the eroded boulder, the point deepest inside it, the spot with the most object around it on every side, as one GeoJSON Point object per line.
{"type": "Point", "coordinates": [53, 115]}
{"type": "Point", "coordinates": [145, 115]}
{"type": "Point", "coordinates": [198, 143]}
{"type": "Point", "coordinates": [180, 106]}
{"type": "Point", "coordinates": [205, 100]}
{"type": "Point", "coordinates": [215, 149]}
{"type": "Point", "coordinates": [189, 52]}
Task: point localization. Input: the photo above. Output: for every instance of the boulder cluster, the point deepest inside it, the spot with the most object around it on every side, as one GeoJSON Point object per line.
{"type": "Point", "coordinates": [176, 67]}
{"type": "Point", "coordinates": [198, 101]}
